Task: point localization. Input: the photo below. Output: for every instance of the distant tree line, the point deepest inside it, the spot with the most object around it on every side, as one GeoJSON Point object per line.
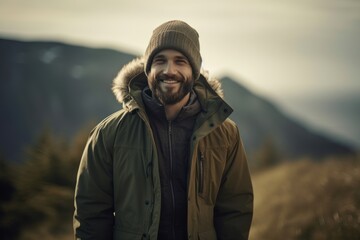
{"type": "Point", "coordinates": [40, 189]}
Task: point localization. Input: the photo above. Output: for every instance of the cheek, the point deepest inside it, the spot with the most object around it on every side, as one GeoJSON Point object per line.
{"type": "Point", "coordinates": [188, 73]}
{"type": "Point", "coordinates": [189, 76]}
{"type": "Point", "coordinates": [154, 71]}
{"type": "Point", "coordinates": [151, 77]}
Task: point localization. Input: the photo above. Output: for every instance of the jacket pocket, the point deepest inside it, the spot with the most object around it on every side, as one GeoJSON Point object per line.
{"type": "Point", "coordinates": [201, 173]}
{"type": "Point", "coordinates": [210, 167]}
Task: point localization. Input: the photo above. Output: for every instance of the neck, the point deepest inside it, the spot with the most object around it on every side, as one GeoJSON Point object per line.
{"type": "Point", "coordinates": [172, 110]}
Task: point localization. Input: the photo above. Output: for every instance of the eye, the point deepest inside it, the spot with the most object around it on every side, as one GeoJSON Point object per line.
{"type": "Point", "coordinates": [182, 61]}
{"type": "Point", "coordinates": [158, 60]}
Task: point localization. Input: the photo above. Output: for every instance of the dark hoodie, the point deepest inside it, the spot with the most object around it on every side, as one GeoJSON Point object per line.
{"type": "Point", "coordinates": [172, 140]}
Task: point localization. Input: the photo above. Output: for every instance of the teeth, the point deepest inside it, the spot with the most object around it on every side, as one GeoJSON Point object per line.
{"type": "Point", "coordinates": [170, 81]}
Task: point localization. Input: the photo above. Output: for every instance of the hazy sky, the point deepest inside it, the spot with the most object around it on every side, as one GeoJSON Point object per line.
{"type": "Point", "coordinates": [286, 50]}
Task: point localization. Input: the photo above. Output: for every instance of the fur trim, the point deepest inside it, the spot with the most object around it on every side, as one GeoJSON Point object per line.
{"type": "Point", "coordinates": [214, 83]}
{"type": "Point", "coordinates": [120, 86]}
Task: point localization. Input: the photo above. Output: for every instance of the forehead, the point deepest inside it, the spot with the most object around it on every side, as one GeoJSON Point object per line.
{"type": "Point", "coordinates": [170, 53]}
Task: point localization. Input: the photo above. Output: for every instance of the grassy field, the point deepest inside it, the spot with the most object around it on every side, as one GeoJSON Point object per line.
{"type": "Point", "coordinates": [308, 200]}
{"type": "Point", "coordinates": [295, 200]}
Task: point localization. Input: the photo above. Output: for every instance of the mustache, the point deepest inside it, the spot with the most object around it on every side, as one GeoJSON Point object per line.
{"type": "Point", "coordinates": [162, 77]}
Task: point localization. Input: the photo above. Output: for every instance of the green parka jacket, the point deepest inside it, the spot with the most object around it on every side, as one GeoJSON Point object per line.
{"type": "Point", "coordinates": [117, 194]}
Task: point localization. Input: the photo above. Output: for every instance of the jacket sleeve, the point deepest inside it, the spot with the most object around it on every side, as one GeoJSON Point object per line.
{"type": "Point", "coordinates": [94, 212]}
{"type": "Point", "coordinates": [234, 205]}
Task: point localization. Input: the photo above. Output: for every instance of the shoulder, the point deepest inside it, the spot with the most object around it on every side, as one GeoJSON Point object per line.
{"type": "Point", "coordinates": [229, 130]}
{"type": "Point", "coordinates": [110, 121]}
{"type": "Point", "coordinates": [229, 125]}
{"type": "Point", "coordinates": [109, 126]}
{"type": "Point", "coordinates": [226, 134]}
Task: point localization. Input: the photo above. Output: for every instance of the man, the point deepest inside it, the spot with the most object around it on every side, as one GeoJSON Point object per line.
{"type": "Point", "coordinates": [170, 164]}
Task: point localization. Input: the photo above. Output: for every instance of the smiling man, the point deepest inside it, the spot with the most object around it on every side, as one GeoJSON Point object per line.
{"type": "Point", "coordinates": [170, 80]}
{"type": "Point", "coordinates": [170, 164]}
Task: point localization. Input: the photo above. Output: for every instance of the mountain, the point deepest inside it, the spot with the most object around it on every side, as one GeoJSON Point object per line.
{"type": "Point", "coordinates": [63, 87]}
{"type": "Point", "coordinates": [261, 121]}
{"type": "Point", "coordinates": [53, 85]}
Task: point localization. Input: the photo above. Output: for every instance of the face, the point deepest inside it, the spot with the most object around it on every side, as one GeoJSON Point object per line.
{"type": "Point", "coordinates": [170, 78]}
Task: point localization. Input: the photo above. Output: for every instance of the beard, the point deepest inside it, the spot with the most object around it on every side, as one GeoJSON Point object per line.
{"type": "Point", "coordinates": [170, 97]}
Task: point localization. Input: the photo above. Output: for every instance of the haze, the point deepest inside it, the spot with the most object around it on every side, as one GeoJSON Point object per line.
{"type": "Point", "coordinates": [296, 53]}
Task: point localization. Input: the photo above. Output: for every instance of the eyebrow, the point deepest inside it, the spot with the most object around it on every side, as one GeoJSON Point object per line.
{"type": "Point", "coordinates": [161, 56]}
{"type": "Point", "coordinates": [182, 57]}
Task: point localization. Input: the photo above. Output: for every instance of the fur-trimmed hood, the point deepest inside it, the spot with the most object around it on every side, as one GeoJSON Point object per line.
{"type": "Point", "coordinates": [121, 87]}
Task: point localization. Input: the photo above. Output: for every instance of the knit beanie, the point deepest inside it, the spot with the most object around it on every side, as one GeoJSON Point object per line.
{"type": "Point", "coordinates": [179, 36]}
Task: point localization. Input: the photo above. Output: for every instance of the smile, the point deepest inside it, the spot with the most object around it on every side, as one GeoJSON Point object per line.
{"type": "Point", "coordinates": [170, 81]}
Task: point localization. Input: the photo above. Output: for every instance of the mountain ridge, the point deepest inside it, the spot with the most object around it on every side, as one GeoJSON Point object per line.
{"type": "Point", "coordinates": [64, 86]}
{"type": "Point", "coordinates": [272, 123]}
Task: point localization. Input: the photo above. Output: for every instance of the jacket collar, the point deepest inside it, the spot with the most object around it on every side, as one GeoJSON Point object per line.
{"type": "Point", "coordinates": [131, 80]}
{"type": "Point", "coordinates": [134, 71]}
{"type": "Point", "coordinates": [158, 110]}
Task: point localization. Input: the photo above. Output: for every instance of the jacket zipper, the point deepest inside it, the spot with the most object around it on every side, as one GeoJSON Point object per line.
{"type": "Point", "coordinates": [201, 174]}
{"type": "Point", "coordinates": [171, 180]}
{"type": "Point", "coordinates": [149, 173]}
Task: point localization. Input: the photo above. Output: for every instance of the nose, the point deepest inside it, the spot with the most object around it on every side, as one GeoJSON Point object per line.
{"type": "Point", "coordinates": [169, 68]}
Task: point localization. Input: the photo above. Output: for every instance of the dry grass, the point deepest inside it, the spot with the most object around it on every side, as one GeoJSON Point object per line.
{"type": "Point", "coordinates": [308, 200]}
{"type": "Point", "coordinates": [297, 200]}
{"type": "Point", "coordinates": [44, 232]}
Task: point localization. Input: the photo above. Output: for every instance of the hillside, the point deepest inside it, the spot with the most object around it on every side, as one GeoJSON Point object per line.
{"type": "Point", "coordinates": [53, 85]}
{"type": "Point", "coordinates": [302, 200]}
{"type": "Point", "coordinates": [49, 85]}
{"type": "Point", "coordinates": [260, 120]}
{"type": "Point", "coordinates": [308, 200]}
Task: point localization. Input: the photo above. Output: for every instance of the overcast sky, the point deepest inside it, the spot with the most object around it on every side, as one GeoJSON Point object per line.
{"type": "Point", "coordinates": [286, 50]}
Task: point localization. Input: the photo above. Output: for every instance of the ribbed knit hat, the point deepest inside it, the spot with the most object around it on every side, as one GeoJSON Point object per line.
{"type": "Point", "coordinates": [179, 36]}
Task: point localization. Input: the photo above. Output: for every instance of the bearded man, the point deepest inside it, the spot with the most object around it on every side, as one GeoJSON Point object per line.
{"type": "Point", "coordinates": [170, 164]}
